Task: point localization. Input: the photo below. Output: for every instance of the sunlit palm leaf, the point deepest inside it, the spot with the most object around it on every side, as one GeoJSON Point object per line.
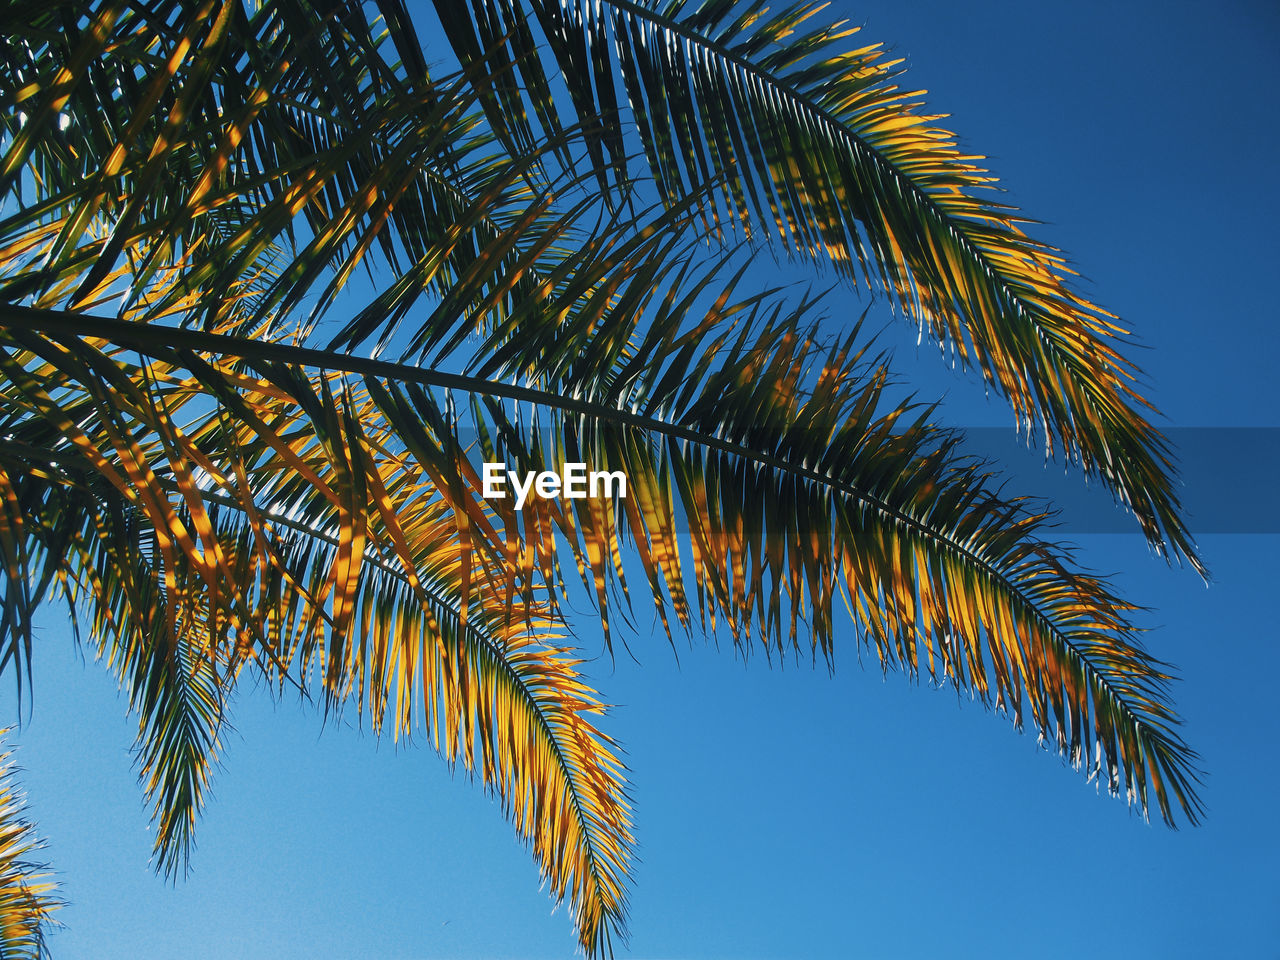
{"type": "Point", "coordinates": [177, 685]}
{"type": "Point", "coordinates": [811, 139]}
{"type": "Point", "coordinates": [798, 492]}
{"type": "Point", "coordinates": [27, 897]}
{"type": "Point", "coordinates": [90, 545]}
{"type": "Point", "coordinates": [350, 578]}
{"type": "Point", "coordinates": [271, 135]}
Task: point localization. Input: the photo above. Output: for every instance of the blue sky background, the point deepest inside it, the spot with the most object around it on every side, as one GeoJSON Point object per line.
{"type": "Point", "coordinates": [792, 813]}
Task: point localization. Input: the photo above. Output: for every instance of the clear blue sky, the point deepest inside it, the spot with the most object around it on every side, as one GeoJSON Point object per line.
{"type": "Point", "coordinates": [791, 813]}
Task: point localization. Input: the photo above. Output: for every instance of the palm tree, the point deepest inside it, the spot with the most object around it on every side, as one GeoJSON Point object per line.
{"type": "Point", "coordinates": [233, 455]}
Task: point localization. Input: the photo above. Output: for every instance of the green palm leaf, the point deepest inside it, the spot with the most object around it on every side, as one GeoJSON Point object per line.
{"type": "Point", "coordinates": [816, 143]}
{"type": "Point", "coordinates": [349, 580]}
{"type": "Point", "coordinates": [27, 898]}
{"type": "Point", "coordinates": [936, 568]}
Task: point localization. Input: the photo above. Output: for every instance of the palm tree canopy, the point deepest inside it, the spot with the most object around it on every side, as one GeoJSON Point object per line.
{"type": "Point", "coordinates": [226, 462]}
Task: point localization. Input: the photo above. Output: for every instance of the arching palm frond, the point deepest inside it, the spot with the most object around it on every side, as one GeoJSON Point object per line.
{"type": "Point", "coordinates": [265, 154]}
{"type": "Point", "coordinates": [796, 488]}
{"type": "Point", "coordinates": [87, 543]}
{"type": "Point", "coordinates": [796, 491]}
{"type": "Point", "coordinates": [326, 561]}
{"type": "Point", "coordinates": [27, 899]}
{"type": "Point", "coordinates": [815, 142]}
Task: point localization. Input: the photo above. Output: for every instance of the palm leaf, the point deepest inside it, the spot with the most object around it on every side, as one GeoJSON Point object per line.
{"type": "Point", "coordinates": [815, 142]}
{"type": "Point", "coordinates": [350, 578]}
{"type": "Point", "coordinates": [27, 897]}
{"type": "Point", "coordinates": [936, 568]}
{"type": "Point", "coordinates": [796, 492]}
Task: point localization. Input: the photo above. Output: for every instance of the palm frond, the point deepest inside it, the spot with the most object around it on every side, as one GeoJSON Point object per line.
{"type": "Point", "coordinates": [178, 685]}
{"type": "Point", "coordinates": [27, 897]}
{"type": "Point", "coordinates": [806, 136]}
{"type": "Point", "coordinates": [797, 493]}
{"type": "Point", "coordinates": [89, 545]}
{"type": "Point", "coordinates": [347, 576]}
{"type": "Point", "coordinates": [250, 121]}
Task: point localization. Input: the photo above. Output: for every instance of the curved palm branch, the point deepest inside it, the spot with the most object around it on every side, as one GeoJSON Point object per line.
{"type": "Point", "coordinates": [796, 493]}
{"type": "Point", "coordinates": [351, 577]}
{"type": "Point", "coordinates": [815, 142]}
{"type": "Point", "coordinates": [102, 555]}
{"type": "Point", "coordinates": [27, 899]}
